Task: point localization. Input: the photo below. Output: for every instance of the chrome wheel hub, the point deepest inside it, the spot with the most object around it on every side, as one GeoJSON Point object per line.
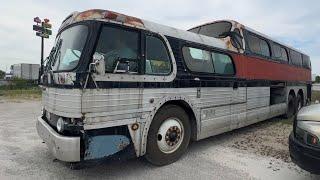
{"type": "Point", "coordinates": [170, 135]}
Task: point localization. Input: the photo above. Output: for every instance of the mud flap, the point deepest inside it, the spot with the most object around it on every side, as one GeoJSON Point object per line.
{"type": "Point", "coordinates": [104, 145]}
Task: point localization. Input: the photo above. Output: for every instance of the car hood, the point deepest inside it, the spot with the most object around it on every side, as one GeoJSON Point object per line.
{"type": "Point", "coordinates": [309, 113]}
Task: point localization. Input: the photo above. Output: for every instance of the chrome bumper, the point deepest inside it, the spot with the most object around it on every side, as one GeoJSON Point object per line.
{"type": "Point", "coordinates": [62, 147]}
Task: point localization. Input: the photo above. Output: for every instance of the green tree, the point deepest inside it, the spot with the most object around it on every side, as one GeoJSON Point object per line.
{"type": "Point", "coordinates": [317, 79]}
{"type": "Point", "coordinates": [2, 74]}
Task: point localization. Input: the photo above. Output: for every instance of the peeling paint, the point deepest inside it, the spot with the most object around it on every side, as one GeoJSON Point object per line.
{"type": "Point", "coordinates": [108, 15]}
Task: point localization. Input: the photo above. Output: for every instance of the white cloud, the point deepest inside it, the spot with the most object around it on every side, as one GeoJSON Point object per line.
{"type": "Point", "coordinates": [292, 21]}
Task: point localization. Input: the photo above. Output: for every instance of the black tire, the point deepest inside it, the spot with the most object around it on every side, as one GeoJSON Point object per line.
{"type": "Point", "coordinates": [299, 103]}
{"type": "Point", "coordinates": [291, 107]}
{"type": "Point", "coordinates": [154, 155]}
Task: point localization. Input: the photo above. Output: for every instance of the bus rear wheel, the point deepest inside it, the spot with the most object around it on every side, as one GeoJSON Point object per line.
{"type": "Point", "coordinates": [291, 107]}
{"type": "Point", "coordinates": [168, 136]}
{"type": "Point", "coordinates": [299, 102]}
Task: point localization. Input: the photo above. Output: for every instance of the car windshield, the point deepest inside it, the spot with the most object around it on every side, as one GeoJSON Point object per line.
{"type": "Point", "coordinates": [68, 48]}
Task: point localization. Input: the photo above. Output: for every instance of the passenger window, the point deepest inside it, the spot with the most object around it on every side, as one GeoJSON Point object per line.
{"type": "Point", "coordinates": [276, 51]}
{"type": "Point", "coordinates": [254, 44]}
{"type": "Point", "coordinates": [119, 48]}
{"type": "Point", "coordinates": [280, 53]}
{"type": "Point", "coordinates": [296, 58]}
{"type": "Point", "coordinates": [284, 55]}
{"type": "Point", "coordinates": [157, 57]}
{"type": "Point", "coordinates": [258, 46]}
{"type": "Point", "coordinates": [265, 51]}
{"type": "Point", "coordinates": [198, 60]}
{"type": "Point", "coordinates": [306, 61]}
{"type": "Point", "coordinates": [222, 64]}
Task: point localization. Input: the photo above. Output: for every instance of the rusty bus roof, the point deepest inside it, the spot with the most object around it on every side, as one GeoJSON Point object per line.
{"type": "Point", "coordinates": [118, 18]}
{"type": "Point", "coordinates": [239, 25]}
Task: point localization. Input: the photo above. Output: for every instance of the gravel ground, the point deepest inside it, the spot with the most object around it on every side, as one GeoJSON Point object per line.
{"type": "Point", "coordinates": [259, 151]}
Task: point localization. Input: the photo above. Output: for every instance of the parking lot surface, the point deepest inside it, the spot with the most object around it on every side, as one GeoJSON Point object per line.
{"type": "Point", "coordinates": [255, 152]}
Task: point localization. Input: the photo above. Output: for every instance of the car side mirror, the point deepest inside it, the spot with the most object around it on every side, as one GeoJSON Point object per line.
{"type": "Point", "coordinates": [98, 65]}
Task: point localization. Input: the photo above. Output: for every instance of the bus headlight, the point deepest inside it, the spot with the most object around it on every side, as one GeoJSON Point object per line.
{"type": "Point", "coordinates": [60, 125]}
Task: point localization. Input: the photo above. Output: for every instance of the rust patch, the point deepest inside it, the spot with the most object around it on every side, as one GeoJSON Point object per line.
{"type": "Point", "coordinates": [109, 15]}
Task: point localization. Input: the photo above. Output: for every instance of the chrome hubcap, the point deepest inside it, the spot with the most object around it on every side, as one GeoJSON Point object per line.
{"type": "Point", "coordinates": [170, 135]}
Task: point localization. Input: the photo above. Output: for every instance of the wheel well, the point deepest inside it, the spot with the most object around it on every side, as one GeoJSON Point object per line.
{"type": "Point", "coordinates": [192, 118]}
{"type": "Point", "coordinates": [292, 93]}
{"type": "Point", "coordinates": [300, 92]}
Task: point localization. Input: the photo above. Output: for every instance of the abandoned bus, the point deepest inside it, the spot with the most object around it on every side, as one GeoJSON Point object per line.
{"type": "Point", "coordinates": [115, 84]}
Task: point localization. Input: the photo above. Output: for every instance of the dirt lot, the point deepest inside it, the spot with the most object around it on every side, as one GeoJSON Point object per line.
{"type": "Point", "coordinates": [259, 151]}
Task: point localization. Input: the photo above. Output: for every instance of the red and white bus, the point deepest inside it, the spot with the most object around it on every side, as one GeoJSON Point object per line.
{"type": "Point", "coordinates": [117, 84]}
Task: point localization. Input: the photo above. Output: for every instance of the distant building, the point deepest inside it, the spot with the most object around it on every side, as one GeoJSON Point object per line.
{"type": "Point", "coordinates": [8, 76]}
{"type": "Point", "coordinates": [25, 71]}
{"type": "Point", "coordinates": [314, 77]}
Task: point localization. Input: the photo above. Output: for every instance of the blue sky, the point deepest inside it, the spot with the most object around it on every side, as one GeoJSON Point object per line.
{"type": "Point", "coordinates": [294, 22]}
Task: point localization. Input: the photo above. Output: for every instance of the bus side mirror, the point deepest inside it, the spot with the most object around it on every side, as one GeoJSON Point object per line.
{"type": "Point", "coordinates": [98, 65]}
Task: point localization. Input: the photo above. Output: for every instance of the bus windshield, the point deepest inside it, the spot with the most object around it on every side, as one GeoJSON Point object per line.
{"type": "Point", "coordinates": [68, 48]}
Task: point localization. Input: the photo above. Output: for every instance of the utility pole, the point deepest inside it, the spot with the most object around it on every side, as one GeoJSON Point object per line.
{"type": "Point", "coordinates": [43, 30]}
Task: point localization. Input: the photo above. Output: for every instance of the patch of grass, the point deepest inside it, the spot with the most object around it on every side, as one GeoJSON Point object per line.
{"type": "Point", "coordinates": [34, 93]}
{"type": "Point", "coordinates": [20, 89]}
{"type": "Point", "coordinates": [315, 96]}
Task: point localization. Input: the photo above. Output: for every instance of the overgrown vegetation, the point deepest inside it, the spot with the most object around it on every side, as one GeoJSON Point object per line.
{"type": "Point", "coordinates": [20, 88]}
{"type": "Point", "coordinates": [317, 79]}
{"type": "Point", "coordinates": [315, 96]}
{"type": "Point", "coordinates": [2, 74]}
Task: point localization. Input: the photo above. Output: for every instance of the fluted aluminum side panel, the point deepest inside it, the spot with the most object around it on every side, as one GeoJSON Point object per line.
{"type": "Point", "coordinates": [258, 97]}
{"type": "Point", "coordinates": [62, 102]}
{"type": "Point", "coordinates": [130, 103]}
{"type": "Point", "coordinates": [126, 103]}
{"type": "Point", "coordinates": [239, 95]}
{"type": "Point", "coordinates": [215, 96]}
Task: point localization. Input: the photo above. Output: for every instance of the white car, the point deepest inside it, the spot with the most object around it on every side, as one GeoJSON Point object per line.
{"type": "Point", "coordinates": [304, 142]}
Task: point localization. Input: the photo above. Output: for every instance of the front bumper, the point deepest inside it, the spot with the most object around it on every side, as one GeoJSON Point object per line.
{"type": "Point", "coordinates": [64, 148]}
{"type": "Point", "coordinates": [306, 157]}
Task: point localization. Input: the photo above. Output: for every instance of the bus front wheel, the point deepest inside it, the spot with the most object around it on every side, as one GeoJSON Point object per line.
{"type": "Point", "coordinates": [168, 136]}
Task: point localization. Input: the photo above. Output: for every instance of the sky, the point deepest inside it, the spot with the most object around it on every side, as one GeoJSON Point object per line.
{"type": "Point", "coordinates": [293, 22]}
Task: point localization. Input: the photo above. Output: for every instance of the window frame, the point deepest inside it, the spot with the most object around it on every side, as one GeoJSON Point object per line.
{"type": "Point", "coordinates": [85, 49]}
{"type": "Point", "coordinates": [136, 78]}
{"type": "Point", "coordinates": [197, 72]}
{"type": "Point", "coordinates": [125, 28]}
{"type": "Point", "coordinates": [205, 25]}
{"type": "Point", "coordinates": [279, 59]}
{"type": "Point", "coordinates": [211, 50]}
{"type": "Point", "coordinates": [248, 34]}
{"type": "Point", "coordinates": [291, 59]}
{"type": "Point", "coordinates": [144, 55]}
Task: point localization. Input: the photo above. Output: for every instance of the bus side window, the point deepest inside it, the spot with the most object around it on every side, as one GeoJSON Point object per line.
{"type": "Point", "coordinates": [296, 58]}
{"type": "Point", "coordinates": [116, 44]}
{"type": "Point", "coordinates": [157, 57]}
{"type": "Point", "coordinates": [198, 60]}
{"type": "Point", "coordinates": [258, 46]}
{"type": "Point", "coordinates": [222, 64]}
